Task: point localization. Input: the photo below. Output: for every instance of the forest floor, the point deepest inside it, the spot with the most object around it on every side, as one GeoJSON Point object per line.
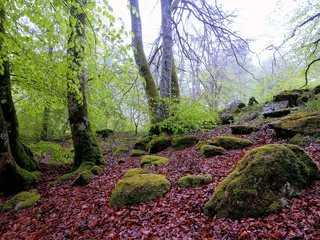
{"type": "Point", "coordinates": [84, 212]}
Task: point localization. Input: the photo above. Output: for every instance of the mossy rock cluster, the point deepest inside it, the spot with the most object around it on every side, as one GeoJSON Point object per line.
{"type": "Point", "coordinates": [104, 133]}
{"type": "Point", "coordinates": [158, 144]}
{"type": "Point", "coordinates": [139, 188]}
{"type": "Point", "coordinates": [210, 151]}
{"type": "Point", "coordinates": [137, 152]}
{"type": "Point", "coordinates": [191, 181]}
{"type": "Point", "coordinates": [243, 129]}
{"type": "Point", "coordinates": [303, 123]}
{"type": "Point", "coordinates": [119, 151]}
{"type": "Point", "coordinates": [263, 182]}
{"type": "Point", "coordinates": [231, 142]}
{"type": "Point", "coordinates": [277, 113]}
{"type": "Point", "coordinates": [142, 142]}
{"type": "Point", "coordinates": [149, 160]}
{"type": "Point", "coordinates": [135, 171]}
{"type": "Point", "coordinates": [182, 142]}
{"type": "Point", "coordinates": [290, 96]}
{"type": "Point", "coordinates": [21, 200]}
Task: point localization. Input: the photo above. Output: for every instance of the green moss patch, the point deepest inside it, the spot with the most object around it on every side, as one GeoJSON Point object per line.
{"type": "Point", "coordinates": [21, 200]}
{"type": "Point", "coordinates": [137, 153]}
{"type": "Point", "coordinates": [263, 182]}
{"type": "Point", "coordinates": [135, 171]}
{"type": "Point", "coordinates": [153, 160]}
{"type": "Point", "coordinates": [230, 142]}
{"type": "Point", "coordinates": [142, 142]}
{"type": "Point", "coordinates": [243, 129]}
{"type": "Point", "coordinates": [304, 123]}
{"type": "Point", "coordinates": [210, 151]}
{"type": "Point", "coordinates": [139, 188]}
{"type": "Point", "coordinates": [96, 170]}
{"type": "Point", "coordinates": [119, 151]}
{"type": "Point", "coordinates": [158, 144]}
{"type": "Point", "coordinates": [83, 167]}
{"type": "Point", "coordinates": [182, 142]}
{"type": "Point", "coordinates": [83, 178]}
{"type": "Point", "coordinates": [191, 181]}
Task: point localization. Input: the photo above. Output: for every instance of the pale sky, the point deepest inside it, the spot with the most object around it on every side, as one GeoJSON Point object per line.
{"type": "Point", "coordinates": [257, 19]}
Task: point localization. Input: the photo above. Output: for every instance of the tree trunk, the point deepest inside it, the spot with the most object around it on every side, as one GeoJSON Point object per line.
{"type": "Point", "coordinates": [141, 61]}
{"type": "Point", "coordinates": [45, 123]}
{"type": "Point", "coordinates": [166, 60]}
{"type": "Point", "coordinates": [85, 145]}
{"type": "Point", "coordinates": [21, 153]}
{"type": "Point", "coordinates": [12, 177]}
{"type": "Point", "coordinates": [175, 91]}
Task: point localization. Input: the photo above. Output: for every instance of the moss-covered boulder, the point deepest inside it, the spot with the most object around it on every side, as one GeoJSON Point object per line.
{"type": "Point", "coordinates": [290, 96]}
{"type": "Point", "coordinates": [277, 113]}
{"type": "Point", "coordinates": [149, 160]}
{"type": "Point", "coordinates": [97, 170]}
{"type": "Point", "coordinates": [142, 142]}
{"type": "Point", "coordinates": [231, 142]}
{"type": "Point", "coordinates": [158, 144]}
{"type": "Point", "coordinates": [137, 152]}
{"type": "Point", "coordinates": [300, 140]}
{"type": "Point", "coordinates": [263, 182]}
{"type": "Point", "coordinates": [210, 151]}
{"type": "Point", "coordinates": [139, 188]}
{"type": "Point", "coordinates": [119, 151]}
{"type": "Point", "coordinates": [182, 142]}
{"type": "Point", "coordinates": [104, 133]}
{"type": "Point", "coordinates": [83, 178]}
{"type": "Point", "coordinates": [243, 129]}
{"type": "Point", "coordinates": [135, 171]}
{"type": "Point", "coordinates": [191, 181]}
{"type": "Point", "coordinates": [21, 200]}
{"type": "Point", "coordinates": [304, 123]}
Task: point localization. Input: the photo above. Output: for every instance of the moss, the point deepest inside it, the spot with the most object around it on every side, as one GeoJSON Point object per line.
{"type": "Point", "coordinates": [121, 161]}
{"type": "Point", "coordinates": [83, 178]}
{"type": "Point", "coordinates": [153, 160]}
{"type": "Point", "coordinates": [23, 155]}
{"type": "Point", "coordinates": [119, 151]}
{"type": "Point", "coordinates": [96, 170]}
{"type": "Point", "coordinates": [230, 142]}
{"type": "Point", "coordinates": [182, 142]}
{"type": "Point", "coordinates": [265, 176]}
{"type": "Point", "coordinates": [21, 200]}
{"type": "Point", "coordinates": [137, 152]}
{"type": "Point", "coordinates": [139, 188]}
{"type": "Point", "coordinates": [85, 166]}
{"type": "Point", "coordinates": [135, 171]}
{"type": "Point", "coordinates": [210, 151]}
{"type": "Point", "coordinates": [190, 181]}
{"type": "Point", "coordinates": [104, 133]}
{"type": "Point", "coordinates": [158, 144]}
{"type": "Point", "coordinates": [290, 96]}
{"type": "Point", "coordinates": [304, 123]}
{"type": "Point", "coordinates": [142, 142]}
{"type": "Point", "coordinates": [201, 143]}
{"type": "Point", "coordinates": [300, 140]}
{"type": "Point", "coordinates": [243, 129]}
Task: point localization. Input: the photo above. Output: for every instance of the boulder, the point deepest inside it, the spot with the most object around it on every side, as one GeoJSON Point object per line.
{"type": "Point", "coordinates": [142, 142]}
{"type": "Point", "coordinates": [158, 144]}
{"type": "Point", "coordinates": [182, 142]}
{"type": "Point", "coordinates": [305, 123]}
{"type": "Point", "coordinates": [153, 160]}
{"type": "Point", "coordinates": [263, 182]}
{"type": "Point", "coordinates": [137, 152]}
{"type": "Point", "coordinates": [227, 115]}
{"type": "Point", "coordinates": [135, 171]}
{"type": "Point", "coordinates": [290, 96]}
{"type": "Point", "coordinates": [243, 129]}
{"type": "Point", "coordinates": [191, 181]}
{"type": "Point", "coordinates": [210, 151]}
{"type": "Point", "coordinates": [231, 142]}
{"type": "Point", "coordinates": [276, 109]}
{"type": "Point", "coordinates": [139, 188]}
{"type": "Point", "coordinates": [119, 151]}
{"type": "Point", "coordinates": [276, 113]}
{"type": "Point", "coordinates": [104, 133]}
{"type": "Point", "coordinates": [83, 178]}
{"type": "Point", "coordinates": [21, 200]}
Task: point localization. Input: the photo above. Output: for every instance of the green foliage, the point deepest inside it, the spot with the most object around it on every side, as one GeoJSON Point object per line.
{"type": "Point", "coordinates": [191, 181]}
{"type": "Point", "coordinates": [139, 188]}
{"type": "Point", "coordinates": [21, 200]}
{"type": "Point", "coordinates": [57, 154]}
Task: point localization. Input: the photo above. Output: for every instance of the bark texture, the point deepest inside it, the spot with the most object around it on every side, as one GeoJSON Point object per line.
{"type": "Point", "coordinates": [175, 90]}
{"type": "Point", "coordinates": [151, 89]}
{"type": "Point", "coordinates": [86, 148]}
{"type": "Point", "coordinates": [45, 124]}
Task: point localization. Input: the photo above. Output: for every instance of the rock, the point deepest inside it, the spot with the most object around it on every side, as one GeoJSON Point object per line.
{"type": "Point", "coordinates": [153, 160]}
{"type": "Point", "coordinates": [316, 90]}
{"type": "Point", "coordinates": [262, 181]}
{"type": "Point", "coordinates": [276, 113]}
{"type": "Point", "coordinates": [104, 133]}
{"type": "Point", "coordinates": [178, 143]}
{"type": "Point", "coordinates": [142, 142]}
{"type": "Point", "coordinates": [21, 200]}
{"type": "Point", "coordinates": [137, 153]}
{"type": "Point", "coordinates": [226, 118]}
{"type": "Point", "coordinates": [139, 188]}
{"type": "Point", "coordinates": [135, 171]}
{"type": "Point", "coordinates": [230, 142]}
{"type": "Point", "coordinates": [191, 181]}
{"type": "Point", "coordinates": [252, 101]}
{"type": "Point", "coordinates": [83, 178]}
{"type": "Point", "coordinates": [277, 109]}
{"type": "Point", "coordinates": [210, 151]}
{"type": "Point", "coordinates": [243, 129]}
{"type": "Point", "coordinates": [227, 115]}
{"type": "Point", "coordinates": [290, 96]}
{"type": "Point", "coordinates": [119, 151]}
{"type": "Point", "coordinates": [96, 170]}
{"type": "Point", "coordinates": [158, 144]}
{"type": "Point", "coordinates": [304, 123]}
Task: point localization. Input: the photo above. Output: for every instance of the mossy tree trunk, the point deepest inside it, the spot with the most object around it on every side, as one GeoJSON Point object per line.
{"type": "Point", "coordinates": [21, 153]}
{"type": "Point", "coordinates": [45, 124]}
{"type": "Point", "coordinates": [86, 148]}
{"type": "Point", "coordinates": [175, 90]}
{"type": "Point", "coordinates": [12, 177]}
{"type": "Point", "coordinates": [151, 89]}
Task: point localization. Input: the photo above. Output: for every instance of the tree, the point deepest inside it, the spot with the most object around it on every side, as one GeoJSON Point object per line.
{"type": "Point", "coordinates": [85, 145]}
